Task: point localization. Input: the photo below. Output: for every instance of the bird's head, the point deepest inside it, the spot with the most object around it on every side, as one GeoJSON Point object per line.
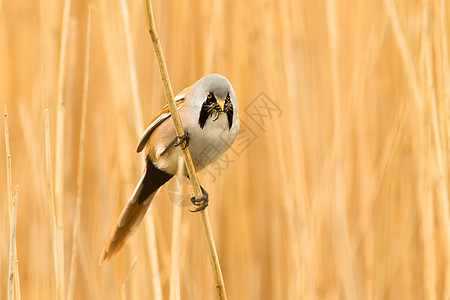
{"type": "Point", "coordinates": [215, 96]}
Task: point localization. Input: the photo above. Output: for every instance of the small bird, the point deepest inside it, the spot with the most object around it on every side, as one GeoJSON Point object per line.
{"type": "Point", "coordinates": [209, 113]}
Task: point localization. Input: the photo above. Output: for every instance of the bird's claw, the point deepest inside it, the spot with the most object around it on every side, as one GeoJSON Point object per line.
{"type": "Point", "coordinates": [201, 202]}
{"type": "Point", "coordinates": [177, 141]}
{"type": "Point", "coordinates": [181, 139]}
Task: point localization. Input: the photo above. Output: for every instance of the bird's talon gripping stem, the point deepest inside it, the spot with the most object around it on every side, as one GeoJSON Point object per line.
{"type": "Point", "coordinates": [177, 141]}
{"type": "Point", "coordinates": [181, 139]}
{"type": "Point", "coordinates": [202, 202]}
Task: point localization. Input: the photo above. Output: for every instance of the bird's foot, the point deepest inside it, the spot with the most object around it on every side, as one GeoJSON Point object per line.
{"type": "Point", "coordinates": [201, 202]}
{"type": "Point", "coordinates": [177, 141]}
{"type": "Point", "coordinates": [181, 139]}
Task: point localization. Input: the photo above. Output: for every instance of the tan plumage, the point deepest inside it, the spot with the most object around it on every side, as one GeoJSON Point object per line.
{"type": "Point", "coordinates": [126, 225]}
{"type": "Point", "coordinates": [211, 125]}
{"type": "Point", "coordinates": [134, 212]}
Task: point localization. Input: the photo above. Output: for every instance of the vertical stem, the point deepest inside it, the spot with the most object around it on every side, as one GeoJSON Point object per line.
{"type": "Point", "coordinates": [151, 242]}
{"type": "Point", "coordinates": [60, 143]}
{"type": "Point", "coordinates": [186, 154]}
{"type": "Point", "coordinates": [51, 201]}
{"type": "Point", "coordinates": [426, 210]}
{"type": "Point", "coordinates": [333, 41]}
{"type": "Point", "coordinates": [214, 258]}
{"type": "Point", "coordinates": [170, 99]}
{"type": "Point", "coordinates": [176, 228]}
{"type": "Point", "coordinates": [446, 71]}
{"type": "Point", "coordinates": [12, 244]}
{"type": "Point", "coordinates": [405, 54]}
{"type": "Point", "coordinates": [10, 204]}
{"type": "Point", "coordinates": [80, 168]}
{"type": "Point", "coordinates": [8, 164]}
{"type": "Point", "coordinates": [149, 221]}
{"type": "Point", "coordinates": [132, 67]}
{"type": "Point", "coordinates": [10, 207]}
{"type": "Point", "coordinates": [125, 283]}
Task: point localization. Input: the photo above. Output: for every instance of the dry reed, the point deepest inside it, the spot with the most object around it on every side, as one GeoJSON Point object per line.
{"type": "Point", "coordinates": [195, 184]}
{"type": "Point", "coordinates": [12, 246]}
{"type": "Point", "coordinates": [81, 160]}
{"type": "Point", "coordinates": [174, 293]}
{"type": "Point", "coordinates": [13, 274]}
{"type": "Point", "coordinates": [153, 254]}
{"type": "Point", "coordinates": [125, 283]}
{"type": "Point", "coordinates": [60, 148]}
{"type": "Point", "coordinates": [14, 281]}
{"type": "Point", "coordinates": [131, 63]}
{"type": "Point", "coordinates": [336, 188]}
{"type": "Point", "coordinates": [10, 211]}
{"type": "Point", "coordinates": [51, 205]}
{"type": "Point", "coordinates": [8, 164]}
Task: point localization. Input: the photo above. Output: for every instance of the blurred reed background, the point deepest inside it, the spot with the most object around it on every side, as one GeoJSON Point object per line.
{"type": "Point", "coordinates": [337, 187]}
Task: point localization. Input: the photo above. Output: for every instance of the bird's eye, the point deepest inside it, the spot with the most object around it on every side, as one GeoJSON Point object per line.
{"type": "Point", "coordinates": [228, 96]}
{"type": "Point", "coordinates": [209, 96]}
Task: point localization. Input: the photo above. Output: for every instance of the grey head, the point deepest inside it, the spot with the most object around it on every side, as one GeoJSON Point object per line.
{"type": "Point", "coordinates": [213, 95]}
{"type": "Point", "coordinates": [216, 84]}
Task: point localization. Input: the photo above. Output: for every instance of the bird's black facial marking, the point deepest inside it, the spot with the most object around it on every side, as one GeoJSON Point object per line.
{"type": "Point", "coordinates": [229, 110]}
{"type": "Point", "coordinates": [211, 108]}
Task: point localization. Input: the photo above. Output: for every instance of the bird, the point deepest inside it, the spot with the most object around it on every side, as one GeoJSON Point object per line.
{"type": "Point", "coordinates": [209, 112]}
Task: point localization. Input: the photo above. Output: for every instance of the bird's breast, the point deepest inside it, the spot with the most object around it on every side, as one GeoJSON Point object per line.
{"type": "Point", "coordinates": [206, 144]}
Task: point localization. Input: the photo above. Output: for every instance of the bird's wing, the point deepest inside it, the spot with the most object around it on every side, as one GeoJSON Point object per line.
{"type": "Point", "coordinates": [148, 186]}
{"type": "Point", "coordinates": [161, 117]}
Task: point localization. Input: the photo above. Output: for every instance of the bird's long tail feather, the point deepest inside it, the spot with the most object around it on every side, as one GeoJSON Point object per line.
{"type": "Point", "coordinates": [126, 225]}
{"type": "Point", "coordinates": [135, 210]}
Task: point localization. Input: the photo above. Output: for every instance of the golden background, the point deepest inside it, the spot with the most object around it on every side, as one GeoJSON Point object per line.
{"type": "Point", "coordinates": [336, 189]}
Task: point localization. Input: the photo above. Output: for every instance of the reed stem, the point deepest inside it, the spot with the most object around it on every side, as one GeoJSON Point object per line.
{"type": "Point", "coordinates": [51, 202]}
{"type": "Point", "coordinates": [81, 159]}
{"type": "Point", "coordinates": [195, 184]}
{"type": "Point", "coordinates": [12, 245]}
{"type": "Point", "coordinates": [14, 263]}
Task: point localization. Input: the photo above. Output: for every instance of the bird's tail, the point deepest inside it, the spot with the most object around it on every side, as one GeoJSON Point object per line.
{"type": "Point", "coordinates": [134, 211]}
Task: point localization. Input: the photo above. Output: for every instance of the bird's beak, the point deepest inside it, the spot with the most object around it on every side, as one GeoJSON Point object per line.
{"type": "Point", "coordinates": [221, 103]}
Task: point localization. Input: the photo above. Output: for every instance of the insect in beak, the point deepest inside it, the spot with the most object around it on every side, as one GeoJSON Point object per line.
{"type": "Point", "coordinates": [221, 103]}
